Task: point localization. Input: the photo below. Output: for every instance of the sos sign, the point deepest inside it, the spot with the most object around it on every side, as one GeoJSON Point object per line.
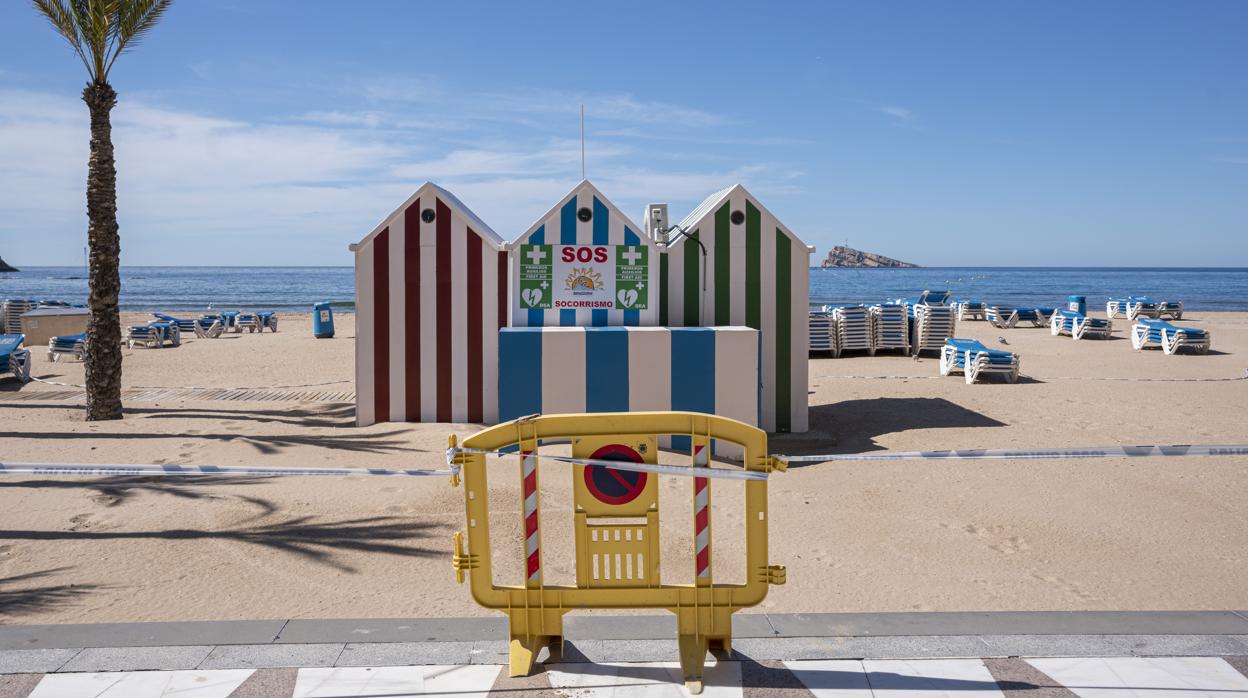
{"type": "Point", "coordinates": [571, 254]}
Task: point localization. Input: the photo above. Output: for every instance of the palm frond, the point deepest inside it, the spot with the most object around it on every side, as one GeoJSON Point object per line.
{"type": "Point", "coordinates": [64, 19]}
{"type": "Point", "coordinates": [133, 20]}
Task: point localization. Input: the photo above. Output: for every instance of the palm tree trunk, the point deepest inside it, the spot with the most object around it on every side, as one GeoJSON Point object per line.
{"type": "Point", "coordinates": [103, 356]}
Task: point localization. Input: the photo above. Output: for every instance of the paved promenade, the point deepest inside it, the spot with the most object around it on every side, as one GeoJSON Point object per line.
{"type": "Point", "coordinates": [902, 654]}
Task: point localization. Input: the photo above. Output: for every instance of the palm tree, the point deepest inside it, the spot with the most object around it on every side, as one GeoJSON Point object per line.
{"type": "Point", "coordinates": [99, 31]}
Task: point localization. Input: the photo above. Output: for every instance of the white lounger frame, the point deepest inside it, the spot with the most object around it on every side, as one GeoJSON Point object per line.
{"type": "Point", "coordinates": [19, 364]}
{"type": "Point", "coordinates": [968, 313]}
{"type": "Point", "coordinates": [210, 331]}
{"type": "Point", "coordinates": [1171, 340]}
{"type": "Point", "coordinates": [77, 350]}
{"type": "Point", "coordinates": [1006, 322]}
{"type": "Point", "coordinates": [977, 366]}
{"type": "Point", "coordinates": [247, 321]}
{"type": "Point", "coordinates": [933, 324]}
{"type": "Point", "coordinates": [1174, 309]}
{"type": "Point", "coordinates": [1080, 328]}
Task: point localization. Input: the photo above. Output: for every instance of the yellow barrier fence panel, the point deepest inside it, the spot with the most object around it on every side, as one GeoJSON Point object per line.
{"type": "Point", "coordinates": [617, 532]}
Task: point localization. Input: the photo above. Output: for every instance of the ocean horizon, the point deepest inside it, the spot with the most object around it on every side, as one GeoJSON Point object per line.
{"type": "Point", "coordinates": [192, 288]}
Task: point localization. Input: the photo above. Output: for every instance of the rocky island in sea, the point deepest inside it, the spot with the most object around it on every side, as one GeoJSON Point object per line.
{"type": "Point", "coordinates": [841, 256]}
{"type": "Point", "coordinates": [6, 267]}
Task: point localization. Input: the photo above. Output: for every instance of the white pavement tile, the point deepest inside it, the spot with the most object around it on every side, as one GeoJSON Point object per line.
{"type": "Point", "coordinates": [1118, 677]}
{"type": "Point", "coordinates": [395, 681]}
{"type": "Point", "coordinates": [142, 684]}
{"type": "Point", "coordinates": [643, 680]}
{"type": "Point", "coordinates": [832, 678]}
{"type": "Point", "coordinates": [899, 678]}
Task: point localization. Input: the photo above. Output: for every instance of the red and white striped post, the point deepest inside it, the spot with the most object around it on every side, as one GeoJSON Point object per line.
{"type": "Point", "coordinates": [702, 516]}
{"type": "Point", "coordinates": [532, 532]}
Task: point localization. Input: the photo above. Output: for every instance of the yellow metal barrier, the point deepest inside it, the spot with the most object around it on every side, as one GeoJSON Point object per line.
{"type": "Point", "coordinates": [617, 531]}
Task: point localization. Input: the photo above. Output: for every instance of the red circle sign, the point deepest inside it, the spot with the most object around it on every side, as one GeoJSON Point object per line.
{"type": "Point", "coordinates": [612, 486]}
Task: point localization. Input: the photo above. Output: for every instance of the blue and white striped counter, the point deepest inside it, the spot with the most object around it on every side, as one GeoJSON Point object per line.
{"type": "Point", "coordinates": [554, 370]}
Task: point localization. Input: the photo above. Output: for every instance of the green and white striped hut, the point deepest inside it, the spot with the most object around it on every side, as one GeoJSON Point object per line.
{"type": "Point", "coordinates": [755, 272]}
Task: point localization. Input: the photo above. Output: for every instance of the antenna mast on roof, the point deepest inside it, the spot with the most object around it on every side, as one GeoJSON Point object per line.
{"type": "Point", "coordinates": [582, 141]}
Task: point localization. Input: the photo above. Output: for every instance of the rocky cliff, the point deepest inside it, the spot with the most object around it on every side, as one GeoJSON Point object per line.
{"type": "Point", "coordinates": [6, 267]}
{"type": "Point", "coordinates": [842, 256]}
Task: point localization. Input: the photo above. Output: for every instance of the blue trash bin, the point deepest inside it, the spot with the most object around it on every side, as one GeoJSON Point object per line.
{"type": "Point", "coordinates": [1079, 304]}
{"type": "Point", "coordinates": [322, 321]}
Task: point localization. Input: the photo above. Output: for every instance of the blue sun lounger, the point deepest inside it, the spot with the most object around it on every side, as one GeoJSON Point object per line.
{"type": "Point", "coordinates": [1005, 318]}
{"type": "Point", "coordinates": [13, 358]}
{"type": "Point", "coordinates": [268, 319]}
{"type": "Point", "coordinates": [972, 358]}
{"type": "Point", "coordinates": [1080, 326]}
{"type": "Point", "coordinates": [970, 310]}
{"type": "Point", "coordinates": [184, 324]}
{"type": "Point", "coordinates": [74, 345]}
{"type": "Point", "coordinates": [1135, 306]}
{"type": "Point", "coordinates": [1169, 337]}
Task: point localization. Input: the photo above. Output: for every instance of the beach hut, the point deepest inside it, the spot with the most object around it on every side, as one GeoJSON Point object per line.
{"type": "Point", "coordinates": [584, 264]}
{"type": "Point", "coordinates": [736, 264]}
{"type": "Point", "coordinates": [431, 295]}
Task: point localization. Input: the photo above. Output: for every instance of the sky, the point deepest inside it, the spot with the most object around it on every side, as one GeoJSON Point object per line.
{"type": "Point", "coordinates": [258, 132]}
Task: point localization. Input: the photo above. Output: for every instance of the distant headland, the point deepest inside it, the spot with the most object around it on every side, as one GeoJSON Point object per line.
{"type": "Point", "coordinates": [5, 267]}
{"type": "Point", "coordinates": [842, 256]}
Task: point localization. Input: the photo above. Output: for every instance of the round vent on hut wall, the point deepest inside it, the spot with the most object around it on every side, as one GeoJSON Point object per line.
{"type": "Point", "coordinates": [427, 215]}
{"type": "Point", "coordinates": [737, 218]}
{"type": "Point", "coordinates": [584, 214]}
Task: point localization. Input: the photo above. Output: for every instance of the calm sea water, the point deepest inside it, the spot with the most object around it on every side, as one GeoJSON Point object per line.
{"type": "Point", "coordinates": [296, 288]}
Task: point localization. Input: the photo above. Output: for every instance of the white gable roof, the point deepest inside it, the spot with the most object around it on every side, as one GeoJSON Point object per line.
{"type": "Point", "coordinates": [714, 201]}
{"type": "Point", "coordinates": [478, 226]}
{"type": "Point", "coordinates": [584, 187]}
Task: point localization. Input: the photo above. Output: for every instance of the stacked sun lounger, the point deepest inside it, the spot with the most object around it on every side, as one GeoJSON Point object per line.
{"type": "Point", "coordinates": [974, 359]}
{"type": "Point", "coordinates": [268, 319]}
{"type": "Point", "coordinates": [930, 326]}
{"type": "Point", "coordinates": [154, 335]}
{"type": "Point", "coordinates": [890, 327]}
{"type": "Point", "coordinates": [11, 312]}
{"type": "Point", "coordinates": [1171, 338]}
{"type": "Point", "coordinates": [74, 345]}
{"type": "Point", "coordinates": [13, 358]}
{"type": "Point", "coordinates": [1173, 309]}
{"type": "Point", "coordinates": [1079, 326]}
{"type": "Point", "coordinates": [1006, 317]}
{"type": "Point", "coordinates": [184, 324]}
{"type": "Point", "coordinates": [1133, 307]}
{"type": "Point", "coordinates": [970, 310]}
{"type": "Point", "coordinates": [853, 329]}
{"type": "Point", "coordinates": [249, 322]}
{"type": "Point", "coordinates": [822, 331]}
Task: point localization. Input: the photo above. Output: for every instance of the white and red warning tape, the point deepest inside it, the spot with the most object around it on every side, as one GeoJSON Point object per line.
{"type": "Point", "coordinates": [1175, 450]}
{"type": "Point", "coordinates": [104, 470]}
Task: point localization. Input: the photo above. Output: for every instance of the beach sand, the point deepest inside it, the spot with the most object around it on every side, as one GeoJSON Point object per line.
{"type": "Point", "coordinates": [957, 536]}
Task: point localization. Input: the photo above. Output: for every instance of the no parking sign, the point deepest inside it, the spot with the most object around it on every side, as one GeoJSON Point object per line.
{"type": "Point", "coordinates": [606, 491]}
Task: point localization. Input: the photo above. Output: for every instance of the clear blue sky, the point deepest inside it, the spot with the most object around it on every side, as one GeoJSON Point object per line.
{"type": "Point", "coordinates": [991, 133]}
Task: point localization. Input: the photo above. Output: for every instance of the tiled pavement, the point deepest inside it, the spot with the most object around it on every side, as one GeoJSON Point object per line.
{"type": "Point", "coordinates": [1037, 655]}
{"type": "Point", "coordinates": [1087, 677]}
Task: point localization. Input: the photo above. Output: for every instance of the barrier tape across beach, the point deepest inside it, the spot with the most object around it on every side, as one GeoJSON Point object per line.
{"type": "Point", "coordinates": [93, 470]}
{"type": "Point", "coordinates": [195, 387]}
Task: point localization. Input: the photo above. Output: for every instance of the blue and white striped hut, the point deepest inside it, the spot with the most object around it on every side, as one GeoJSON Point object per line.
{"type": "Point", "coordinates": [584, 264]}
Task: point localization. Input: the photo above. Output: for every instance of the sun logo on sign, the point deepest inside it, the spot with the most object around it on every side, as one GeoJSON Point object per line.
{"type": "Point", "coordinates": [584, 280]}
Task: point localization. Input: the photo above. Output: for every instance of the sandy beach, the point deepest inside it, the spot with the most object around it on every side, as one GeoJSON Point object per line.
{"type": "Point", "coordinates": [1143, 534]}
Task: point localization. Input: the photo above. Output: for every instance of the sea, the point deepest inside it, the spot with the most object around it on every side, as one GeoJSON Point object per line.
{"type": "Point", "coordinates": [156, 289]}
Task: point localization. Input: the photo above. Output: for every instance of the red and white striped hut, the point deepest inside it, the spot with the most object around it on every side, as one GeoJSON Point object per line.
{"type": "Point", "coordinates": [430, 295]}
